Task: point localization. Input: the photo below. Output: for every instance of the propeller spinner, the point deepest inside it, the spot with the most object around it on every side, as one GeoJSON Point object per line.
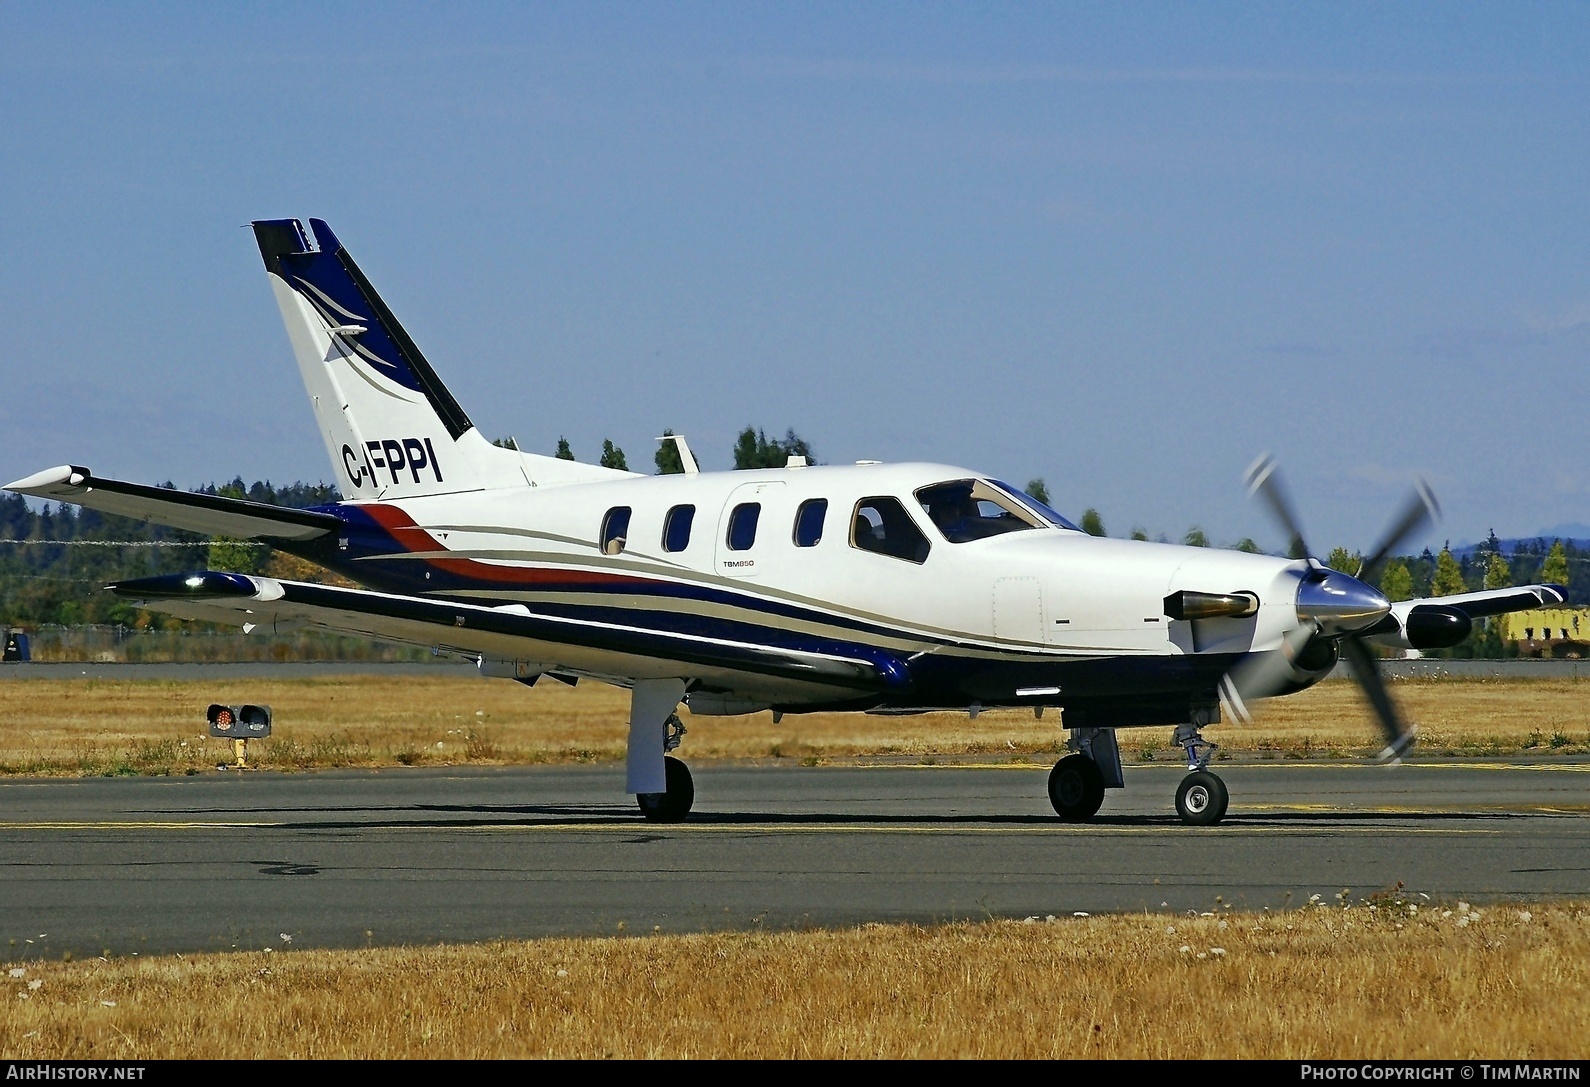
{"type": "Point", "coordinates": [1334, 610]}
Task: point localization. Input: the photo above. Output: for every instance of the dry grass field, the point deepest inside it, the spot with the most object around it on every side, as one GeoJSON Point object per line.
{"type": "Point", "coordinates": [153, 727]}
{"type": "Point", "coordinates": [1386, 979]}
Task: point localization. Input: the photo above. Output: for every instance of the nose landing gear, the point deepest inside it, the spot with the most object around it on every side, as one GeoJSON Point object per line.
{"type": "Point", "coordinates": [1201, 798]}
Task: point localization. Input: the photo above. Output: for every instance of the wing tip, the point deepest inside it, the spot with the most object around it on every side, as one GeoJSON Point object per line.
{"type": "Point", "coordinates": [62, 475]}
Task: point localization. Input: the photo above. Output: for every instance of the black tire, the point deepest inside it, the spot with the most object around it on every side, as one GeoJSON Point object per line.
{"type": "Point", "coordinates": [1201, 799]}
{"type": "Point", "coordinates": [1076, 788]}
{"type": "Point", "coordinates": [673, 805]}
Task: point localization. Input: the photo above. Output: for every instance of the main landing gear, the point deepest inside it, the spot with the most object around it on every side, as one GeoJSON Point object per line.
{"type": "Point", "coordinates": [673, 804]}
{"type": "Point", "coordinates": [1078, 781]}
{"type": "Point", "coordinates": [1076, 788]}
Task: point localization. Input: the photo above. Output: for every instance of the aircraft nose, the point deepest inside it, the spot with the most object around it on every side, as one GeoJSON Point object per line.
{"type": "Point", "coordinates": [1338, 602]}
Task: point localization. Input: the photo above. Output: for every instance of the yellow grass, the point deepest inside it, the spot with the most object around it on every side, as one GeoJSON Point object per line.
{"type": "Point", "coordinates": [104, 727]}
{"type": "Point", "coordinates": [1324, 982]}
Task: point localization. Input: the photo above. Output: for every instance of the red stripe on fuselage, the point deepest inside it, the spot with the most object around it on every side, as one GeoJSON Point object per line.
{"type": "Point", "coordinates": [412, 537]}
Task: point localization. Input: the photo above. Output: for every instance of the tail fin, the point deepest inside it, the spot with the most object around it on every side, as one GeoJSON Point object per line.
{"type": "Point", "coordinates": [390, 425]}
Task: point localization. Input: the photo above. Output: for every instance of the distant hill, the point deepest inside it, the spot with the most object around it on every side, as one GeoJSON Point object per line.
{"type": "Point", "coordinates": [1572, 535]}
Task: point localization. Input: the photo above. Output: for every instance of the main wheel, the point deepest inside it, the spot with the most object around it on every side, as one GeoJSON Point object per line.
{"type": "Point", "coordinates": [1076, 788]}
{"type": "Point", "coordinates": [671, 806]}
{"type": "Point", "coordinates": [1201, 799]}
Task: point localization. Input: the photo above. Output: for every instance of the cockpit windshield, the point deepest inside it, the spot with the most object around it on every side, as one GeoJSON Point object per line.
{"type": "Point", "coordinates": [971, 509]}
{"type": "Point", "coordinates": [1053, 516]}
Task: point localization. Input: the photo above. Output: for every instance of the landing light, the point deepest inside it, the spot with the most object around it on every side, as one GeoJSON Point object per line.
{"type": "Point", "coordinates": [194, 582]}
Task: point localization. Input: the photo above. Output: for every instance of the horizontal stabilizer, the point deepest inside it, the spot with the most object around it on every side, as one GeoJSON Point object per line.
{"type": "Point", "coordinates": [206, 513]}
{"type": "Point", "coordinates": [513, 632]}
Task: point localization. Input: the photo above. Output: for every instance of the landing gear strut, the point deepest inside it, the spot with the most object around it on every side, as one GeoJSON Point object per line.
{"type": "Point", "coordinates": [661, 783]}
{"type": "Point", "coordinates": [1201, 798]}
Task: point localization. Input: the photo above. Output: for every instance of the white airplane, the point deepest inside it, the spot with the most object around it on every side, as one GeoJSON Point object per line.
{"type": "Point", "coordinates": [884, 588]}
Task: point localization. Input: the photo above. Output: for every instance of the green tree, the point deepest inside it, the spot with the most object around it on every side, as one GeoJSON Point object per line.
{"type": "Point", "coordinates": [1139, 534]}
{"type": "Point", "coordinates": [1195, 537]}
{"type": "Point", "coordinates": [1247, 544]}
{"type": "Point", "coordinates": [1498, 574]}
{"type": "Point", "coordinates": [1396, 581]}
{"type": "Point", "coordinates": [236, 556]}
{"type": "Point", "coordinates": [1092, 523]}
{"type": "Point", "coordinates": [667, 457]}
{"type": "Point", "coordinates": [564, 452]}
{"type": "Point", "coordinates": [509, 443]}
{"type": "Point", "coordinates": [754, 449]}
{"type": "Point", "coordinates": [1038, 489]}
{"type": "Point", "coordinates": [613, 456]}
{"type": "Point", "coordinates": [1448, 575]}
{"type": "Point", "coordinates": [1554, 571]}
{"type": "Point", "coordinates": [1344, 560]}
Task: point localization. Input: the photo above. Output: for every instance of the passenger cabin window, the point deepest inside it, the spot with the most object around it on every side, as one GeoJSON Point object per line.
{"type": "Point", "coordinates": [676, 528]}
{"type": "Point", "coordinates": [809, 522]}
{"type": "Point", "coordinates": [615, 530]}
{"type": "Point", "coordinates": [969, 509]}
{"type": "Point", "coordinates": [883, 526]}
{"type": "Point", "coordinates": [742, 526]}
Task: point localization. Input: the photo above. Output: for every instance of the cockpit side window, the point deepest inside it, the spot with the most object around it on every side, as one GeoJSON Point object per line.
{"type": "Point", "coordinates": [881, 525]}
{"type": "Point", "coordinates": [970, 509]}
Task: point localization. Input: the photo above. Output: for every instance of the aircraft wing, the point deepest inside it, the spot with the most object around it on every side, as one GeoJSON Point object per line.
{"type": "Point", "coordinates": [1441, 621]}
{"type": "Point", "coordinates": [554, 643]}
{"type": "Point", "coordinates": [206, 513]}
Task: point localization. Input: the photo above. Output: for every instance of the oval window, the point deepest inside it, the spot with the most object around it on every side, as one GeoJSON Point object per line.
{"type": "Point", "coordinates": [742, 525]}
{"type": "Point", "coordinates": [615, 530]}
{"type": "Point", "coordinates": [809, 522]}
{"type": "Point", "coordinates": [676, 529]}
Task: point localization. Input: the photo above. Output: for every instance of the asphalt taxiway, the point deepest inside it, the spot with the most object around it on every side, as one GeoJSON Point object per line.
{"type": "Point", "coordinates": [241, 860]}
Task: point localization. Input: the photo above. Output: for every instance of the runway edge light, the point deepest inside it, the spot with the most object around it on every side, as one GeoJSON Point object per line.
{"type": "Point", "coordinates": [244, 722]}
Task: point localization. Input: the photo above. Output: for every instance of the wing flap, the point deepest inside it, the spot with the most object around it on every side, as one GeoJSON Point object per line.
{"type": "Point", "coordinates": [206, 513]}
{"type": "Point", "coordinates": [505, 632]}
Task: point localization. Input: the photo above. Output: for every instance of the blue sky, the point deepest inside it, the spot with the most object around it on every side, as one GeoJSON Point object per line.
{"type": "Point", "coordinates": [1126, 248]}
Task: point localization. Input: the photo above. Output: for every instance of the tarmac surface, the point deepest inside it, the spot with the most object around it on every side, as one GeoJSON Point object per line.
{"type": "Point", "coordinates": [248, 860]}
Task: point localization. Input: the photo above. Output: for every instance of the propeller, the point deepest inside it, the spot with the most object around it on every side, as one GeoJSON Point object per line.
{"type": "Point", "coordinates": [1335, 611]}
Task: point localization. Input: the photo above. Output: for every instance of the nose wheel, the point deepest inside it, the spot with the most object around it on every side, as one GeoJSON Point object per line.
{"type": "Point", "coordinates": [1201, 799]}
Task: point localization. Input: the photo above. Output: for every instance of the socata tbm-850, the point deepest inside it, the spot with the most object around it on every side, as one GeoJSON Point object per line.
{"type": "Point", "coordinates": [871, 587]}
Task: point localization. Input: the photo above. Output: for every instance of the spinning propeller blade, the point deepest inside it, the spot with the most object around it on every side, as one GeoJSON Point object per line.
{"type": "Point", "coordinates": [1264, 480]}
{"type": "Point", "coordinates": [1265, 674]}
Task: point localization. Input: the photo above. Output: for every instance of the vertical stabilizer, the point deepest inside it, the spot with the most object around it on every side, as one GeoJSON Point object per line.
{"type": "Point", "coordinates": [390, 426]}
